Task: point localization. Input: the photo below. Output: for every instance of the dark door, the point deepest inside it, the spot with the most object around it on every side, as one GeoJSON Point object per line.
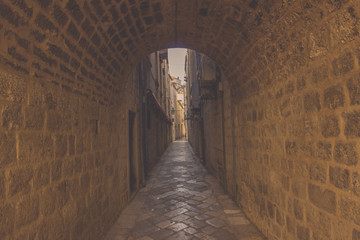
{"type": "Point", "coordinates": [131, 151]}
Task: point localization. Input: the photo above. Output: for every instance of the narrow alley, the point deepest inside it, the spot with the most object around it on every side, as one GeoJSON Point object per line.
{"type": "Point", "coordinates": [92, 113]}
{"type": "Point", "coordinates": [182, 201]}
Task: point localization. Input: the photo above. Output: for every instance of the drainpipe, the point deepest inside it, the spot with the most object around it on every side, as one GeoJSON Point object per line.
{"type": "Point", "coordinates": [202, 136]}
{"type": "Point", "coordinates": [223, 136]}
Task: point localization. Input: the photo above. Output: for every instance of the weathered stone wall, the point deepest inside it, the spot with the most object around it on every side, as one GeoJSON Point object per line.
{"type": "Point", "coordinates": [292, 121]}
{"type": "Point", "coordinates": [297, 124]}
{"type": "Point", "coordinates": [64, 143]}
{"type": "Point", "coordinates": [63, 162]}
{"type": "Point", "coordinates": [229, 136]}
{"type": "Point", "coordinates": [130, 101]}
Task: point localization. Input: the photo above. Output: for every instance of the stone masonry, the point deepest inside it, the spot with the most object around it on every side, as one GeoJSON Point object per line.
{"type": "Point", "coordinates": [296, 124]}
{"type": "Point", "coordinates": [292, 116]}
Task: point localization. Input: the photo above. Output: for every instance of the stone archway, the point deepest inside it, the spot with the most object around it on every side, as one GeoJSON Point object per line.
{"type": "Point", "coordinates": [110, 36]}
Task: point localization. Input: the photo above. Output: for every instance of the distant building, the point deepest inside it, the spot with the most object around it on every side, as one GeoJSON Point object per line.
{"type": "Point", "coordinates": [164, 105]}
{"type": "Point", "coordinates": [177, 108]}
{"type": "Point", "coordinates": [155, 85]}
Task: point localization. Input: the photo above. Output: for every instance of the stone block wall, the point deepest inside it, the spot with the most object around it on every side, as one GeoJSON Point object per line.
{"type": "Point", "coordinates": [63, 163]}
{"type": "Point", "coordinates": [229, 151]}
{"type": "Point", "coordinates": [296, 124]}
{"type": "Point", "coordinates": [63, 123]}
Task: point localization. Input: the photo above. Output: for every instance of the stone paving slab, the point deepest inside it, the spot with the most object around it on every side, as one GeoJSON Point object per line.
{"type": "Point", "coordinates": [182, 201]}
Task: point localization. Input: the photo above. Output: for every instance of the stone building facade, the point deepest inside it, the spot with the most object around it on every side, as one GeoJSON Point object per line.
{"type": "Point", "coordinates": [157, 120]}
{"type": "Point", "coordinates": [205, 112]}
{"type": "Point", "coordinates": [179, 120]}
{"type": "Point", "coordinates": [177, 108]}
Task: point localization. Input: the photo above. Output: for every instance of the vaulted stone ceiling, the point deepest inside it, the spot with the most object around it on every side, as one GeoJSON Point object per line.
{"type": "Point", "coordinates": [115, 35]}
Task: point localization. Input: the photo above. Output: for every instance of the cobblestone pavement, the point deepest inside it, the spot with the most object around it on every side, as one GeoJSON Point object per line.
{"type": "Point", "coordinates": [182, 201]}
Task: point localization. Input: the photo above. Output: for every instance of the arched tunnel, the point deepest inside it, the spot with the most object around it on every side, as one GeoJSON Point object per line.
{"type": "Point", "coordinates": [293, 90]}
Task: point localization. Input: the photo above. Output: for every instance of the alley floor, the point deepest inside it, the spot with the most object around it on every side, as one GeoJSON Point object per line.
{"type": "Point", "coordinates": [182, 201]}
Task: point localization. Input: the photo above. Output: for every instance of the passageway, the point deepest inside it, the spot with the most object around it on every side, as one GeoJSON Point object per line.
{"type": "Point", "coordinates": [182, 201]}
{"type": "Point", "coordinates": [79, 130]}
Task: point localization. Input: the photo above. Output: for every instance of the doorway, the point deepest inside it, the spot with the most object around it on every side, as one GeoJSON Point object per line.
{"type": "Point", "coordinates": [132, 169]}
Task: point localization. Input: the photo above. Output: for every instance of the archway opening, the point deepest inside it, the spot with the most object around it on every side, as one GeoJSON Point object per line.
{"type": "Point", "coordinates": [196, 107]}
